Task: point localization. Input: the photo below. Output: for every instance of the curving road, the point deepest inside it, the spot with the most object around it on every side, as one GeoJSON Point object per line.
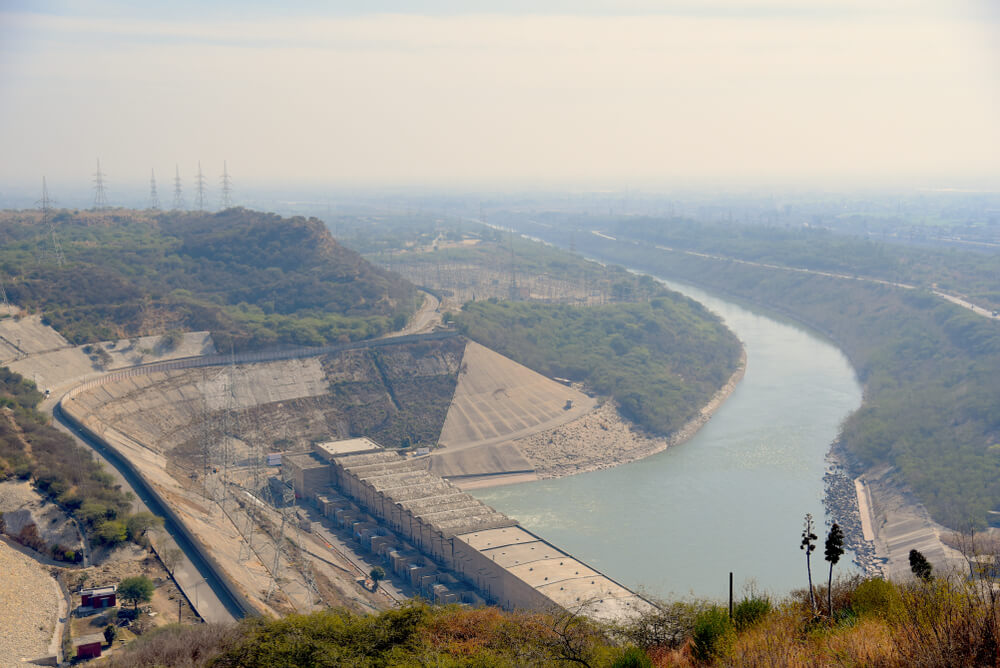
{"type": "Point", "coordinates": [954, 299]}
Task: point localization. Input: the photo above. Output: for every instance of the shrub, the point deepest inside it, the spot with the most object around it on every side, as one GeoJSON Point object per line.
{"type": "Point", "coordinates": [112, 532]}
{"type": "Point", "coordinates": [633, 657]}
{"type": "Point", "coordinates": [876, 598]}
{"type": "Point", "coordinates": [751, 610]}
{"type": "Point", "coordinates": [713, 635]}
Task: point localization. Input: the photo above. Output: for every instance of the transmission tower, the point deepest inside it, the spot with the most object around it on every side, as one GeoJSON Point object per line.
{"type": "Point", "coordinates": [100, 194]}
{"type": "Point", "coordinates": [3, 293]}
{"type": "Point", "coordinates": [199, 182]}
{"type": "Point", "coordinates": [513, 269]}
{"type": "Point", "coordinates": [45, 204]}
{"type": "Point", "coordinates": [178, 193]}
{"type": "Point", "coordinates": [227, 188]}
{"type": "Point", "coordinates": [154, 199]}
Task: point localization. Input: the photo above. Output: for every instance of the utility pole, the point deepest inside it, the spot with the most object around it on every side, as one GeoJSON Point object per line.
{"type": "Point", "coordinates": [100, 193]}
{"type": "Point", "coordinates": [227, 188]}
{"type": "Point", "coordinates": [178, 193]}
{"type": "Point", "coordinates": [200, 189]}
{"type": "Point", "coordinates": [154, 199]}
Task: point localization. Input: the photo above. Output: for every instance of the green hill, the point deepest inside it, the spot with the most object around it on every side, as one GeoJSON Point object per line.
{"type": "Point", "coordinates": [253, 279]}
{"type": "Point", "coordinates": [661, 360]}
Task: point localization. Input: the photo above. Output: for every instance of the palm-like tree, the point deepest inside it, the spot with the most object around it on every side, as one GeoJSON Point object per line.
{"type": "Point", "coordinates": [809, 544]}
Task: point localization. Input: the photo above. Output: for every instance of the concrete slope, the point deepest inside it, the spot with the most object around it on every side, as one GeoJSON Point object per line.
{"type": "Point", "coordinates": [496, 401]}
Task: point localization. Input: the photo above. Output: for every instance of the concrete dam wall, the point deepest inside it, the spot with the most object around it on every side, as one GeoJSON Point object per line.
{"type": "Point", "coordinates": [189, 429]}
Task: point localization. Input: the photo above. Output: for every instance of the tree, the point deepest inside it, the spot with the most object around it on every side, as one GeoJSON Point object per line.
{"type": "Point", "coordinates": [920, 566]}
{"type": "Point", "coordinates": [137, 589]}
{"type": "Point", "coordinates": [171, 557]}
{"type": "Point", "coordinates": [377, 574]}
{"type": "Point", "coordinates": [112, 532]}
{"type": "Point", "coordinates": [136, 525]}
{"type": "Point", "coordinates": [110, 633]}
{"type": "Point", "coordinates": [834, 550]}
{"type": "Point", "coordinates": [809, 544]}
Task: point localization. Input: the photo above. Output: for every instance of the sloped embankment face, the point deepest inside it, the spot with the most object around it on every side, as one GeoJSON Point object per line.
{"type": "Point", "coordinates": [396, 395]}
{"type": "Point", "coordinates": [497, 401]}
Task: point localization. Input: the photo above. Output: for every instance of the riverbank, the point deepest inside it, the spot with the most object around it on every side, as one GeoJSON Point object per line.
{"type": "Point", "coordinates": [603, 438]}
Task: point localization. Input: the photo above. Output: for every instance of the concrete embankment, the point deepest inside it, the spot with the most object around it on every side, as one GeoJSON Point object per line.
{"type": "Point", "coordinates": [600, 439]}
{"type": "Point", "coordinates": [235, 605]}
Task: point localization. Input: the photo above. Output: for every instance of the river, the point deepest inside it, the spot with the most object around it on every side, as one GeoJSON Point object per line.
{"type": "Point", "coordinates": [730, 499]}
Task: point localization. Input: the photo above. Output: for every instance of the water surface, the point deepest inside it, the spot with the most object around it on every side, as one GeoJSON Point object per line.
{"type": "Point", "coordinates": [730, 499]}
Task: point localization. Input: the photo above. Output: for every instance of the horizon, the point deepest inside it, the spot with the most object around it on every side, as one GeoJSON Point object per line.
{"type": "Point", "coordinates": [720, 95]}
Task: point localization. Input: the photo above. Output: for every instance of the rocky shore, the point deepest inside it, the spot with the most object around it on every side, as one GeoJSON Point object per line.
{"type": "Point", "coordinates": [841, 502]}
{"type": "Point", "coordinates": [603, 438]}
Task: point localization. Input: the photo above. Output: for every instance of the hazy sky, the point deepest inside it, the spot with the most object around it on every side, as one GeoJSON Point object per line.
{"type": "Point", "coordinates": [512, 94]}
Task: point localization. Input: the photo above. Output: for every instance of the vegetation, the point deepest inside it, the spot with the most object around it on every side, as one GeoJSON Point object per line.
{"type": "Point", "coordinates": [661, 360]}
{"type": "Point", "coordinates": [947, 622]}
{"type": "Point", "coordinates": [808, 544]}
{"type": "Point", "coordinates": [919, 566]}
{"type": "Point", "coordinates": [135, 590]}
{"type": "Point", "coordinates": [833, 550]}
{"type": "Point", "coordinates": [397, 395]}
{"type": "Point", "coordinates": [927, 366]}
{"type": "Point", "coordinates": [67, 473]}
{"type": "Point", "coordinates": [253, 279]}
{"type": "Point", "coordinates": [966, 272]}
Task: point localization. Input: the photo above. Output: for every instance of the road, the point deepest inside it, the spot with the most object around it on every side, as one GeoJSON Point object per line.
{"type": "Point", "coordinates": [424, 320]}
{"type": "Point", "coordinates": [958, 301]}
{"type": "Point", "coordinates": [213, 605]}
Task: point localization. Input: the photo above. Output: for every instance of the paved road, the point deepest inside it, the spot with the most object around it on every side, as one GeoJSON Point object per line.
{"type": "Point", "coordinates": [958, 301]}
{"type": "Point", "coordinates": [192, 577]}
{"type": "Point", "coordinates": [424, 320]}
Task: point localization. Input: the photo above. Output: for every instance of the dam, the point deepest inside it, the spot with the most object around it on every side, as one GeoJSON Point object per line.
{"type": "Point", "coordinates": [430, 531]}
{"type": "Point", "coordinates": [199, 430]}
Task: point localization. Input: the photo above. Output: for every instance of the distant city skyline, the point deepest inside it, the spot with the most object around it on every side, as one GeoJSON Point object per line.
{"type": "Point", "coordinates": [727, 94]}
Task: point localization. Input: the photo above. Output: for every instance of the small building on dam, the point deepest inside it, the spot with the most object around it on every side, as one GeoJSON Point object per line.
{"type": "Point", "coordinates": [452, 546]}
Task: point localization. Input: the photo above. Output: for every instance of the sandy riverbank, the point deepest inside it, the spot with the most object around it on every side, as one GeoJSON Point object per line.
{"type": "Point", "coordinates": [603, 438]}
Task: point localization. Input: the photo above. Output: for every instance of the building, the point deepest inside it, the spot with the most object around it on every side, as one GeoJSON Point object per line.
{"type": "Point", "coordinates": [380, 490]}
{"type": "Point", "coordinates": [99, 597]}
{"type": "Point", "coordinates": [89, 647]}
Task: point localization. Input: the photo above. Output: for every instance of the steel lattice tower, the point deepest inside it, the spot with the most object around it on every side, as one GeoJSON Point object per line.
{"type": "Point", "coordinates": [154, 199]}
{"type": "Point", "coordinates": [227, 187]}
{"type": "Point", "coordinates": [45, 204]}
{"type": "Point", "coordinates": [178, 192]}
{"type": "Point", "coordinates": [199, 184]}
{"type": "Point", "coordinates": [100, 193]}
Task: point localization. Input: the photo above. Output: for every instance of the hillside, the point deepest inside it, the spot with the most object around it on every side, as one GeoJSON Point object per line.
{"type": "Point", "coordinates": [928, 367]}
{"type": "Point", "coordinates": [873, 623]}
{"type": "Point", "coordinates": [253, 279]}
{"type": "Point", "coordinates": [661, 360]}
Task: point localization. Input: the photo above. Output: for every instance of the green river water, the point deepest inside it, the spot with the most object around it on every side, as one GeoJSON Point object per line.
{"type": "Point", "coordinates": [730, 499]}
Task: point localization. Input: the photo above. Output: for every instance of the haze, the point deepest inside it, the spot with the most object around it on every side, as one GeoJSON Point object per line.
{"type": "Point", "coordinates": [523, 94]}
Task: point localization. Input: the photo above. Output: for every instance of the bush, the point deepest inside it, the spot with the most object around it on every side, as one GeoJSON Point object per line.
{"type": "Point", "coordinates": [633, 657]}
{"type": "Point", "coordinates": [751, 610]}
{"type": "Point", "coordinates": [112, 532]}
{"type": "Point", "coordinates": [713, 636]}
{"type": "Point", "coordinates": [876, 598]}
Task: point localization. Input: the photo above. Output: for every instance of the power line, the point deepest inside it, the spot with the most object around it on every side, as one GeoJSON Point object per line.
{"type": "Point", "coordinates": [100, 193]}
{"type": "Point", "coordinates": [179, 203]}
{"type": "Point", "coordinates": [227, 188]}
{"type": "Point", "coordinates": [154, 199]}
